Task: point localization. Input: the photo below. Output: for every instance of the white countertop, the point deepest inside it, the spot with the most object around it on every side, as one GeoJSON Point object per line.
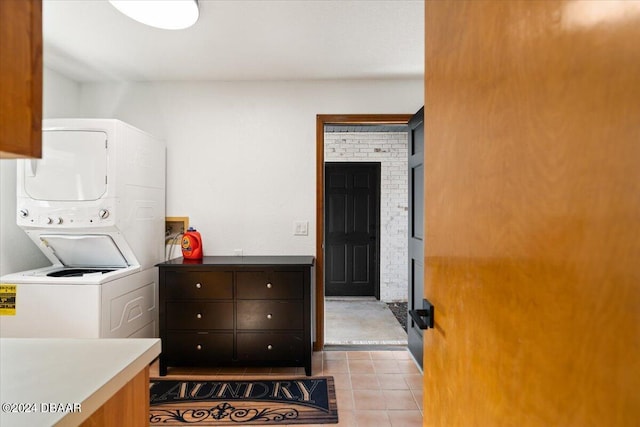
{"type": "Point", "coordinates": [41, 372]}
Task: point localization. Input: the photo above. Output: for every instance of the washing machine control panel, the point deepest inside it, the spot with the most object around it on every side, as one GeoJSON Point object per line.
{"type": "Point", "coordinates": [70, 217]}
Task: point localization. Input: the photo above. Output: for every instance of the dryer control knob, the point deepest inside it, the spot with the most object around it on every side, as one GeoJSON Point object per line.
{"type": "Point", "coordinates": [57, 220]}
{"type": "Point", "coordinates": [49, 221]}
{"type": "Point", "coordinates": [23, 213]}
{"type": "Point", "coordinates": [103, 213]}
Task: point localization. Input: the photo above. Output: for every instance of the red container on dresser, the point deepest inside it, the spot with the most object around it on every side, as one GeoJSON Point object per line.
{"type": "Point", "coordinates": [192, 244]}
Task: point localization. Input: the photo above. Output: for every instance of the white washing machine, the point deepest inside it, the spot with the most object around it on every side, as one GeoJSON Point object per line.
{"type": "Point", "coordinates": [95, 206]}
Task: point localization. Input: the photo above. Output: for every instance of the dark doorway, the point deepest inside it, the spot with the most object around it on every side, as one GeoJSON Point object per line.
{"type": "Point", "coordinates": [352, 212]}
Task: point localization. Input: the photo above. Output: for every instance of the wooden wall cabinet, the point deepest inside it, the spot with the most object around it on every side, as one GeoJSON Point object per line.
{"type": "Point", "coordinates": [236, 311]}
{"type": "Point", "coordinates": [20, 78]}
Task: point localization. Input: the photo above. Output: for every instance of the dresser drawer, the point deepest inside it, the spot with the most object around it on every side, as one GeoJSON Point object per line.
{"type": "Point", "coordinates": [200, 315]}
{"type": "Point", "coordinates": [198, 348]}
{"type": "Point", "coordinates": [199, 284]}
{"type": "Point", "coordinates": [270, 284]}
{"type": "Point", "coordinates": [270, 346]}
{"type": "Point", "coordinates": [269, 314]}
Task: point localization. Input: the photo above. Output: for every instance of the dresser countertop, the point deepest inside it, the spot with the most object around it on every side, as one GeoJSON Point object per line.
{"type": "Point", "coordinates": [247, 261]}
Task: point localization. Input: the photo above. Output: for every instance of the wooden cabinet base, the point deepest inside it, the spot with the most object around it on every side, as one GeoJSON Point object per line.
{"type": "Point", "coordinates": [129, 407]}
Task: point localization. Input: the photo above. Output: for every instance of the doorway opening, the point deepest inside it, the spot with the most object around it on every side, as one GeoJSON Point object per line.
{"type": "Point", "coordinates": [343, 319]}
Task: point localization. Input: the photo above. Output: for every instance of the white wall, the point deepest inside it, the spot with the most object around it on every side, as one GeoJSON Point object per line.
{"type": "Point", "coordinates": [390, 150]}
{"type": "Point", "coordinates": [17, 251]}
{"type": "Point", "coordinates": [241, 161]}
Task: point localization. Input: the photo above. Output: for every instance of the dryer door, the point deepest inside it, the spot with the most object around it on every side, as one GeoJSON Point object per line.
{"type": "Point", "coordinates": [73, 167]}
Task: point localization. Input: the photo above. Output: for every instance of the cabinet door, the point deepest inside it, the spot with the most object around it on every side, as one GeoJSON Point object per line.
{"type": "Point", "coordinates": [200, 315]}
{"type": "Point", "coordinates": [266, 346]}
{"type": "Point", "coordinates": [269, 314]}
{"type": "Point", "coordinates": [198, 285]}
{"type": "Point", "coordinates": [198, 348]}
{"type": "Point", "coordinates": [20, 78]}
{"type": "Point", "coordinates": [270, 284]}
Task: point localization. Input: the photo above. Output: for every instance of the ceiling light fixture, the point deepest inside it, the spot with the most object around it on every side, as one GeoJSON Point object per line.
{"type": "Point", "coordinates": [165, 14]}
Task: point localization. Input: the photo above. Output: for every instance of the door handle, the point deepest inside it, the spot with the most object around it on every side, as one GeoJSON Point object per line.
{"type": "Point", "coordinates": [423, 317]}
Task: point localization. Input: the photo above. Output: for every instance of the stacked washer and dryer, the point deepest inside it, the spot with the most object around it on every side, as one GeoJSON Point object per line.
{"type": "Point", "coordinates": [95, 206]}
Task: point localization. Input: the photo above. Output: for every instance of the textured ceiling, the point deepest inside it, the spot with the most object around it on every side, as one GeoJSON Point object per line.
{"type": "Point", "coordinates": [89, 40]}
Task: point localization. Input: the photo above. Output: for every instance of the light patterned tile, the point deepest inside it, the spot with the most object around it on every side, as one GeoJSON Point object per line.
{"type": "Point", "coordinates": [342, 381]}
{"type": "Point", "coordinates": [377, 355]}
{"type": "Point", "coordinates": [317, 366]}
{"type": "Point", "coordinates": [368, 399]}
{"type": "Point", "coordinates": [354, 355]}
{"type": "Point", "coordinates": [414, 381]}
{"type": "Point", "coordinates": [372, 419]}
{"type": "Point", "coordinates": [361, 366]}
{"type": "Point", "coordinates": [408, 367]}
{"type": "Point", "coordinates": [386, 367]}
{"type": "Point", "coordinates": [333, 355]}
{"type": "Point", "coordinates": [363, 385]}
{"type": "Point", "coordinates": [344, 399]}
{"type": "Point", "coordinates": [346, 418]}
{"type": "Point", "coordinates": [335, 367]}
{"type": "Point", "coordinates": [364, 382]}
{"type": "Point", "coordinates": [418, 397]}
{"type": "Point", "coordinates": [405, 418]}
{"type": "Point", "coordinates": [392, 382]}
{"type": "Point", "coordinates": [402, 355]}
{"type": "Point", "coordinates": [399, 399]}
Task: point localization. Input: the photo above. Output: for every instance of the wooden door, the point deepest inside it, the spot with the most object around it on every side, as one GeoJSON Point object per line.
{"type": "Point", "coordinates": [352, 200]}
{"type": "Point", "coordinates": [20, 78]}
{"type": "Point", "coordinates": [532, 213]}
{"type": "Point", "coordinates": [416, 231]}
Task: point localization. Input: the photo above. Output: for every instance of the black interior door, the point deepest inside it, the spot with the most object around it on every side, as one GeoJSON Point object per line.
{"type": "Point", "coordinates": [352, 199]}
{"type": "Point", "coordinates": [416, 230]}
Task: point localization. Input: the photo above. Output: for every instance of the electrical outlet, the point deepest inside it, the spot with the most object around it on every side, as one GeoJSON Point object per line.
{"type": "Point", "coordinates": [301, 228]}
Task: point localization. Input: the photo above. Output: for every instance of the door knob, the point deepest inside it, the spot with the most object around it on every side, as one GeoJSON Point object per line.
{"type": "Point", "coordinates": [424, 317]}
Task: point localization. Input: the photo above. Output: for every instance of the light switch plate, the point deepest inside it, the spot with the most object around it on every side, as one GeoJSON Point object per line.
{"type": "Point", "coordinates": [301, 228]}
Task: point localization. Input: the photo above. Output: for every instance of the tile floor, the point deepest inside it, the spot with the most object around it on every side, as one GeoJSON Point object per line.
{"type": "Point", "coordinates": [381, 388]}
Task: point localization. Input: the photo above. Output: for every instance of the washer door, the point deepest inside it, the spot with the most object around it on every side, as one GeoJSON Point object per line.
{"type": "Point", "coordinates": [84, 250]}
{"type": "Point", "coordinates": [73, 167]}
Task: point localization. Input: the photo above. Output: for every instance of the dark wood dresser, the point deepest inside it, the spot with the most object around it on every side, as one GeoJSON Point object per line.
{"type": "Point", "coordinates": [236, 311]}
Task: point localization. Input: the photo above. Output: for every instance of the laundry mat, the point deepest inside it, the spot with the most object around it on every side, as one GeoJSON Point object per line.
{"type": "Point", "coordinates": [309, 400]}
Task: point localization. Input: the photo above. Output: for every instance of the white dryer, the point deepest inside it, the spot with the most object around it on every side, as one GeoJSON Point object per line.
{"type": "Point", "coordinates": [95, 206]}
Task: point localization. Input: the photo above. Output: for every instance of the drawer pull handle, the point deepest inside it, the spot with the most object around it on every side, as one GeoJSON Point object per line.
{"type": "Point", "coordinates": [269, 286]}
{"type": "Point", "coordinates": [269, 347]}
{"type": "Point", "coordinates": [199, 316]}
{"type": "Point", "coordinates": [198, 285]}
{"type": "Point", "coordinates": [269, 316]}
{"type": "Point", "coordinates": [198, 347]}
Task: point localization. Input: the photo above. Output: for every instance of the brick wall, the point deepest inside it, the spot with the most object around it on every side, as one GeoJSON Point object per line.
{"type": "Point", "coordinates": [390, 150]}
